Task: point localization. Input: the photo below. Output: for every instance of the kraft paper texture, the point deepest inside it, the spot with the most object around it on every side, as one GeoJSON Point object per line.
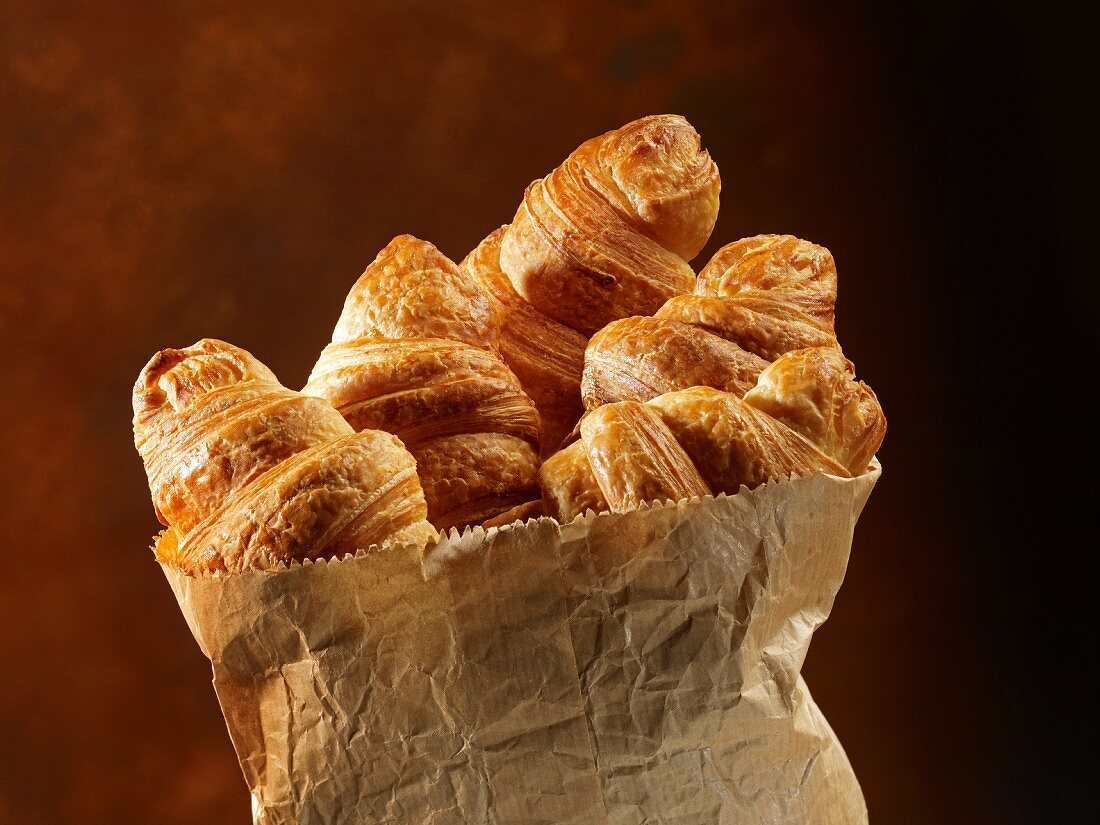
{"type": "Point", "coordinates": [626, 668]}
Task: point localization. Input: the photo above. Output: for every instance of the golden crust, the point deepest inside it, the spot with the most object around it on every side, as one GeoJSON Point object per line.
{"type": "Point", "coordinates": [606, 234]}
{"type": "Point", "coordinates": [413, 355]}
{"type": "Point", "coordinates": [655, 171]}
{"type": "Point", "coordinates": [755, 321]}
{"type": "Point", "coordinates": [547, 357]}
{"type": "Point", "coordinates": [569, 487]}
{"type": "Point", "coordinates": [249, 474]}
{"type": "Point", "coordinates": [796, 272]}
{"type": "Point", "coordinates": [757, 299]}
{"type": "Point", "coordinates": [637, 359]}
{"type": "Point", "coordinates": [420, 389]}
{"type": "Point", "coordinates": [814, 392]}
{"type": "Point", "coordinates": [684, 443]}
{"type": "Point", "coordinates": [210, 419]}
{"type": "Point", "coordinates": [176, 378]}
{"type": "Point", "coordinates": [733, 444]}
{"type": "Point", "coordinates": [472, 477]}
{"type": "Point", "coordinates": [635, 457]}
{"type": "Point", "coordinates": [330, 500]}
{"type": "Point", "coordinates": [412, 290]}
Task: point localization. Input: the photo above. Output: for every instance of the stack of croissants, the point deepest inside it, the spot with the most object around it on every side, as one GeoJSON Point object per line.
{"type": "Point", "coordinates": [572, 362]}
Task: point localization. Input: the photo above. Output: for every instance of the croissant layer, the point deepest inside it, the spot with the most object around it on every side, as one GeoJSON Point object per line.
{"type": "Point", "coordinates": [414, 354]}
{"type": "Point", "coordinates": [547, 357]}
{"type": "Point", "coordinates": [209, 419]}
{"type": "Point", "coordinates": [521, 512]}
{"type": "Point", "coordinates": [606, 234]}
{"type": "Point", "coordinates": [326, 501]}
{"type": "Point", "coordinates": [635, 458]}
{"type": "Point", "coordinates": [420, 389]}
{"type": "Point", "coordinates": [681, 444]}
{"type": "Point", "coordinates": [735, 445]}
{"type": "Point", "coordinates": [756, 299]}
{"type": "Point", "coordinates": [569, 486]}
{"type": "Point", "coordinates": [637, 359]}
{"type": "Point", "coordinates": [473, 477]}
{"type": "Point", "coordinates": [814, 392]}
{"type": "Point", "coordinates": [248, 474]}
{"type": "Point", "coordinates": [412, 290]}
{"type": "Point", "coordinates": [757, 322]}
{"type": "Point", "coordinates": [800, 273]}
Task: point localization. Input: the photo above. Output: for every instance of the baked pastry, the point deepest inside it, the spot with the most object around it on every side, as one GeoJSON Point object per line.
{"type": "Point", "coordinates": [413, 354]}
{"type": "Point", "coordinates": [605, 235]}
{"type": "Point", "coordinates": [635, 458]}
{"type": "Point", "coordinates": [609, 233]}
{"type": "Point", "coordinates": [795, 272]}
{"type": "Point", "coordinates": [755, 300]}
{"type": "Point", "coordinates": [249, 474]}
{"type": "Point", "coordinates": [546, 357]}
{"type": "Point", "coordinates": [686, 443]}
{"type": "Point", "coordinates": [640, 358]}
{"type": "Point", "coordinates": [569, 486]}
{"type": "Point", "coordinates": [814, 392]}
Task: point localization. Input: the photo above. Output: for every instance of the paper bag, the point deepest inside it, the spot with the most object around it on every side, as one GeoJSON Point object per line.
{"type": "Point", "coordinates": [625, 668]}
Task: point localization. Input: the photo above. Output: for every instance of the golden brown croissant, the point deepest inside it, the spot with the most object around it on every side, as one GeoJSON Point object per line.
{"type": "Point", "coordinates": [681, 444]}
{"type": "Point", "coordinates": [814, 392]}
{"type": "Point", "coordinates": [641, 358]}
{"type": "Point", "coordinates": [412, 354]}
{"type": "Point", "coordinates": [635, 457]}
{"type": "Point", "coordinates": [248, 474]}
{"type": "Point", "coordinates": [796, 272]}
{"type": "Point", "coordinates": [763, 296]}
{"type": "Point", "coordinates": [412, 290]}
{"type": "Point", "coordinates": [546, 357]}
{"type": "Point", "coordinates": [609, 233]}
{"type": "Point", "coordinates": [569, 487]}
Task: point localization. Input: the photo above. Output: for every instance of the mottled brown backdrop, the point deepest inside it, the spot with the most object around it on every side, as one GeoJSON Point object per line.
{"type": "Point", "coordinates": [179, 170]}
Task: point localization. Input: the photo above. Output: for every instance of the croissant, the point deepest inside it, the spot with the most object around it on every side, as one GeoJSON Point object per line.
{"type": "Point", "coordinates": [569, 486]}
{"type": "Point", "coordinates": [797, 272]}
{"type": "Point", "coordinates": [413, 354]}
{"type": "Point", "coordinates": [641, 358]}
{"type": "Point", "coordinates": [757, 299]}
{"type": "Point", "coordinates": [690, 442]}
{"type": "Point", "coordinates": [248, 474]}
{"type": "Point", "coordinates": [814, 392]}
{"type": "Point", "coordinates": [611, 226]}
{"type": "Point", "coordinates": [609, 233]}
{"type": "Point", "coordinates": [547, 357]}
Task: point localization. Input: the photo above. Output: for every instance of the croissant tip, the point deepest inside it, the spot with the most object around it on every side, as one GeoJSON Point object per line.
{"type": "Point", "coordinates": [159, 364]}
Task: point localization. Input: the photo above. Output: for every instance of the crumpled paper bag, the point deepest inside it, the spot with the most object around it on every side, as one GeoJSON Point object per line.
{"type": "Point", "coordinates": [625, 668]}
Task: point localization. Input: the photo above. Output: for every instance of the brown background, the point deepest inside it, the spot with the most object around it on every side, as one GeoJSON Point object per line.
{"type": "Point", "coordinates": [173, 171]}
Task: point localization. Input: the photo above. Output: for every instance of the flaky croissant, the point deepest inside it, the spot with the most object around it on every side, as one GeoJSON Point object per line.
{"type": "Point", "coordinates": [248, 474]}
{"type": "Point", "coordinates": [640, 358]}
{"type": "Point", "coordinates": [546, 357]}
{"type": "Point", "coordinates": [605, 235]}
{"type": "Point", "coordinates": [691, 442]}
{"type": "Point", "coordinates": [814, 392]}
{"type": "Point", "coordinates": [413, 354]}
{"type": "Point", "coordinates": [755, 300]}
{"type": "Point", "coordinates": [609, 233]}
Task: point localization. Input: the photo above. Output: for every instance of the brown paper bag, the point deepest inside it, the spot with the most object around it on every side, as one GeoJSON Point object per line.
{"type": "Point", "coordinates": [631, 668]}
